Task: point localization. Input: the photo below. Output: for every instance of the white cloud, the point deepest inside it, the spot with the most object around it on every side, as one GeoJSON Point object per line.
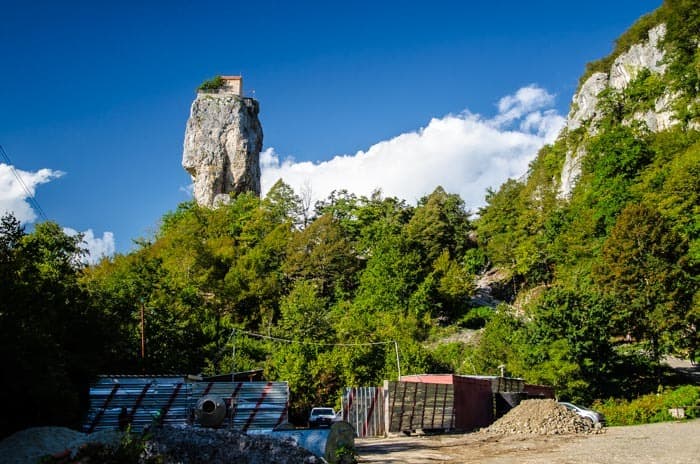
{"type": "Point", "coordinates": [14, 199]}
{"type": "Point", "coordinates": [97, 247]}
{"type": "Point", "coordinates": [13, 195]}
{"type": "Point", "coordinates": [545, 124]}
{"type": "Point", "coordinates": [524, 101]}
{"type": "Point", "coordinates": [464, 153]}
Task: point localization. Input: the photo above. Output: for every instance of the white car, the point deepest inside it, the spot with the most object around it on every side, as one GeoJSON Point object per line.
{"type": "Point", "coordinates": [321, 416]}
{"type": "Point", "coordinates": [594, 416]}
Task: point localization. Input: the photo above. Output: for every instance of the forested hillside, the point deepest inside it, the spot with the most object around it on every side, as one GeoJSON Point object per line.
{"type": "Point", "coordinates": [597, 285]}
{"type": "Point", "coordinates": [608, 275]}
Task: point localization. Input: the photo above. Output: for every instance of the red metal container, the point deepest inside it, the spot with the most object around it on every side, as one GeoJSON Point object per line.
{"type": "Point", "coordinates": [478, 400]}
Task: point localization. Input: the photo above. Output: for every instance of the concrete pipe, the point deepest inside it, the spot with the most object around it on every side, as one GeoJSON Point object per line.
{"type": "Point", "coordinates": [324, 443]}
{"type": "Point", "coordinates": [210, 411]}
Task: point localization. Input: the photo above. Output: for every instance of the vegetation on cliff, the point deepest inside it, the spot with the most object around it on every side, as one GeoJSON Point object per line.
{"type": "Point", "coordinates": [215, 83]}
{"type": "Point", "coordinates": [611, 274]}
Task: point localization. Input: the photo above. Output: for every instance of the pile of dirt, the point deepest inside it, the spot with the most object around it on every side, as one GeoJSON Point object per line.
{"type": "Point", "coordinates": [541, 417]}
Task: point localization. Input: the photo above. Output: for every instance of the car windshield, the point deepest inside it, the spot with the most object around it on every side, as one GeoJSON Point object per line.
{"type": "Point", "coordinates": [322, 412]}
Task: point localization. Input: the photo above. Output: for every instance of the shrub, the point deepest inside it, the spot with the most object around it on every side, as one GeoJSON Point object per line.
{"type": "Point", "coordinates": [687, 397]}
{"type": "Point", "coordinates": [475, 261]}
{"type": "Point", "coordinates": [651, 408]}
{"type": "Point", "coordinates": [214, 83]}
{"type": "Point", "coordinates": [476, 318]}
{"type": "Point", "coordinates": [345, 455]}
{"type": "Point", "coordinates": [453, 357]}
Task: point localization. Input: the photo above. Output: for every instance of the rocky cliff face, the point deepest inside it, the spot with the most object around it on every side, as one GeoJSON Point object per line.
{"type": "Point", "coordinates": [222, 147]}
{"type": "Point", "coordinates": [585, 110]}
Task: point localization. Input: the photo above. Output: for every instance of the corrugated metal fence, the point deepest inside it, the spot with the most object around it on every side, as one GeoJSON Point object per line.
{"type": "Point", "coordinates": [363, 408]}
{"type": "Point", "coordinates": [252, 405]}
{"type": "Point", "coordinates": [141, 401]}
{"type": "Point", "coordinates": [417, 406]}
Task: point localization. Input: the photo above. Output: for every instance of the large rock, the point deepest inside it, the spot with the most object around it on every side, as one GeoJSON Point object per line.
{"type": "Point", "coordinates": [662, 116]}
{"type": "Point", "coordinates": [570, 172]}
{"type": "Point", "coordinates": [645, 55]}
{"type": "Point", "coordinates": [222, 147]}
{"type": "Point", "coordinates": [585, 110]}
{"type": "Point", "coordinates": [585, 102]}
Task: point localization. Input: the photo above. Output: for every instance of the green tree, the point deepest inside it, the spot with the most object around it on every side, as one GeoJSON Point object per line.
{"type": "Point", "coordinates": [444, 294]}
{"type": "Point", "coordinates": [283, 204]}
{"type": "Point", "coordinates": [323, 253]}
{"type": "Point", "coordinates": [304, 314]}
{"type": "Point", "coordinates": [50, 336]}
{"type": "Point", "coordinates": [440, 223]}
{"type": "Point", "coordinates": [498, 226]}
{"type": "Point", "coordinates": [571, 335]}
{"type": "Point", "coordinates": [500, 344]}
{"type": "Point", "coordinates": [306, 363]}
{"type": "Point", "coordinates": [644, 268]}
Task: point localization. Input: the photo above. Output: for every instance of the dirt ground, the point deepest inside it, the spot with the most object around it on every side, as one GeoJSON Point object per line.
{"type": "Point", "coordinates": [668, 442]}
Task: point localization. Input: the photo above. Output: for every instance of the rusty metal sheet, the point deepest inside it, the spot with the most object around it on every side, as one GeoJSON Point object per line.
{"type": "Point", "coordinates": [415, 406]}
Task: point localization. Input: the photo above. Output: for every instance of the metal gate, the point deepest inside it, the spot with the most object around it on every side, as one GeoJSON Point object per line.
{"type": "Point", "coordinates": [363, 408]}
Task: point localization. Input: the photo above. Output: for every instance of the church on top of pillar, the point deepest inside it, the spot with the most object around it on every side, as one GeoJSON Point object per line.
{"type": "Point", "coordinates": [232, 84]}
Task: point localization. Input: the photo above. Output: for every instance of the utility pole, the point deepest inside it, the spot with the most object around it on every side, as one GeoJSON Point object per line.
{"type": "Point", "coordinates": [398, 363]}
{"type": "Point", "coordinates": [143, 332]}
{"type": "Point", "coordinates": [233, 352]}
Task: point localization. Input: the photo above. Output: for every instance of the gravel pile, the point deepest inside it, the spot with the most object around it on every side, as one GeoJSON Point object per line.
{"type": "Point", "coordinates": [27, 446]}
{"type": "Point", "coordinates": [165, 445]}
{"type": "Point", "coordinates": [541, 417]}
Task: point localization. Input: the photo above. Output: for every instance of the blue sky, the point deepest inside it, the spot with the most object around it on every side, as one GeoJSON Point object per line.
{"type": "Point", "coordinates": [101, 92]}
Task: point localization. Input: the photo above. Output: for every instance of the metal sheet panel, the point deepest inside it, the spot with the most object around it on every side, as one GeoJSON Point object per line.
{"type": "Point", "coordinates": [474, 405]}
{"type": "Point", "coordinates": [142, 401]}
{"type": "Point", "coordinates": [138, 401]}
{"type": "Point", "coordinates": [363, 408]}
{"type": "Point", "coordinates": [507, 384]}
{"type": "Point", "coordinates": [253, 405]}
{"type": "Point", "coordinates": [539, 391]}
{"type": "Point", "coordinates": [429, 378]}
{"type": "Point", "coordinates": [416, 406]}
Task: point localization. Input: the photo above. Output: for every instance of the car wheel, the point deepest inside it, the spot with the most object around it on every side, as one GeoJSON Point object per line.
{"type": "Point", "coordinates": [589, 422]}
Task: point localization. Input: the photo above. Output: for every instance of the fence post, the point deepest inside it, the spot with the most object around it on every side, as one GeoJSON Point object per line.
{"type": "Point", "coordinates": [387, 414]}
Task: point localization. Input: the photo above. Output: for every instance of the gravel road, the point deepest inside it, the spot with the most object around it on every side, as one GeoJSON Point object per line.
{"type": "Point", "coordinates": [668, 442]}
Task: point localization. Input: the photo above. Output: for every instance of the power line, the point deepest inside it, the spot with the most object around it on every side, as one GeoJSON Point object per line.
{"type": "Point", "coordinates": [30, 196]}
{"type": "Point", "coordinates": [287, 340]}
